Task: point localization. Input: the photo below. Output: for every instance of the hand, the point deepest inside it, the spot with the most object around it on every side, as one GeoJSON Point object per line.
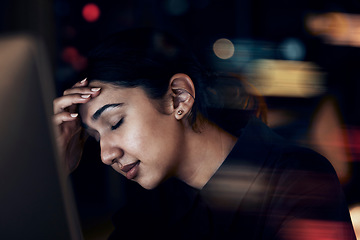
{"type": "Point", "coordinates": [70, 136]}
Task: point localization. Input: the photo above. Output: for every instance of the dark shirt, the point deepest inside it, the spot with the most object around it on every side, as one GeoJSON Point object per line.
{"type": "Point", "coordinates": [267, 188]}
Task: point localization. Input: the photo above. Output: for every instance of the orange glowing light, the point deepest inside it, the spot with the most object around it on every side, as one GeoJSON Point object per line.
{"type": "Point", "coordinates": [336, 28]}
{"type": "Point", "coordinates": [91, 12]}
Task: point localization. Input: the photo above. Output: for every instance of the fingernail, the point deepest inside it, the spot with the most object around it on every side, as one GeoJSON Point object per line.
{"type": "Point", "coordinates": [74, 115]}
{"type": "Point", "coordinates": [85, 96]}
{"type": "Point", "coordinates": [95, 89]}
{"type": "Point", "coordinates": [84, 80]}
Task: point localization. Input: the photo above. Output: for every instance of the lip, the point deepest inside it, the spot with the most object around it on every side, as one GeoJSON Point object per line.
{"type": "Point", "coordinates": [131, 170]}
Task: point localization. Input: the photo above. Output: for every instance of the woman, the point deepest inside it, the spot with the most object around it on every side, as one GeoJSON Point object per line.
{"type": "Point", "coordinates": [218, 172]}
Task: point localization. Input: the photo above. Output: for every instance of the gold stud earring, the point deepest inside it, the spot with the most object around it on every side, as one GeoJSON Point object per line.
{"type": "Point", "coordinates": [180, 112]}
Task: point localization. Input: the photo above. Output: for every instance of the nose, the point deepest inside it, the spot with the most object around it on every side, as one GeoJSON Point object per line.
{"type": "Point", "coordinates": [109, 151]}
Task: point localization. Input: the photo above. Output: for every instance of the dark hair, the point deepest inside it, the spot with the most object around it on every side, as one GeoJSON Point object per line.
{"type": "Point", "coordinates": [148, 58]}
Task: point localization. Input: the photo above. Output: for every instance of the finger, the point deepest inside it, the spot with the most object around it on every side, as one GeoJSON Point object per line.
{"type": "Point", "coordinates": [64, 117]}
{"type": "Point", "coordinates": [82, 90]}
{"type": "Point", "coordinates": [81, 83]}
{"type": "Point", "coordinates": [59, 104]}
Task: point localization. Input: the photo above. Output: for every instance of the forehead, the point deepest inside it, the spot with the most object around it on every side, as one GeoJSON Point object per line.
{"type": "Point", "coordinates": [111, 94]}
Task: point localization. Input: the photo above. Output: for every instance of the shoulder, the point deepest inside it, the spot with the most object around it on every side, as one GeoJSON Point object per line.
{"type": "Point", "coordinates": [306, 168]}
{"type": "Point", "coordinates": [285, 154]}
{"type": "Point", "coordinates": [287, 161]}
{"type": "Point", "coordinates": [291, 156]}
{"type": "Point", "coordinates": [305, 178]}
{"type": "Point", "coordinates": [265, 147]}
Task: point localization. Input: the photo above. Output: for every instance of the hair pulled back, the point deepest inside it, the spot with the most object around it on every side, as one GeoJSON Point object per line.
{"type": "Point", "coordinates": [147, 58]}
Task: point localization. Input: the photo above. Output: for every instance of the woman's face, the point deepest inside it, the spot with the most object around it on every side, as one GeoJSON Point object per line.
{"type": "Point", "coordinates": [135, 138]}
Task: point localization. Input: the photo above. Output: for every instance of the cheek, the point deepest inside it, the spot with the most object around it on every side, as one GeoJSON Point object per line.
{"type": "Point", "coordinates": [147, 133]}
{"type": "Point", "coordinates": [137, 137]}
{"type": "Point", "coordinates": [153, 143]}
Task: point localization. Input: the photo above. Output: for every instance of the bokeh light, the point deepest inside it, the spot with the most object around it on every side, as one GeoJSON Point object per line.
{"type": "Point", "coordinates": [293, 49]}
{"type": "Point", "coordinates": [223, 48]}
{"type": "Point", "coordinates": [91, 12]}
{"type": "Point", "coordinates": [72, 56]}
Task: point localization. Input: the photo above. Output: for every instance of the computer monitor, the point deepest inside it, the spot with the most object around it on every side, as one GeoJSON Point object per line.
{"type": "Point", "coordinates": [36, 199]}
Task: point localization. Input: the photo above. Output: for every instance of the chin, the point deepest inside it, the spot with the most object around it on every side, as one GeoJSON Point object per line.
{"type": "Point", "coordinates": [148, 186]}
{"type": "Point", "coordinates": [148, 183]}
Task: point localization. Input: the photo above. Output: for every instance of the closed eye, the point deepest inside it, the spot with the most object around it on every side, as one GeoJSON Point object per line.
{"type": "Point", "coordinates": [117, 124]}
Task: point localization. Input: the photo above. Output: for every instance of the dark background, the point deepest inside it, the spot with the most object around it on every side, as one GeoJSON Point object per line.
{"type": "Point", "coordinates": [68, 37]}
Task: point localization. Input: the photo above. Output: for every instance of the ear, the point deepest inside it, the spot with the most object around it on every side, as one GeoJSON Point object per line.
{"type": "Point", "coordinates": [183, 92]}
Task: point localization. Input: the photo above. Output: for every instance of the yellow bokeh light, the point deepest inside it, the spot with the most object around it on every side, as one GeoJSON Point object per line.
{"type": "Point", "coordinates": [223, 48]}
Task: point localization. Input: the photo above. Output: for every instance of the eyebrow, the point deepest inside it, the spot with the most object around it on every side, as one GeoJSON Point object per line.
{"type": "Point", "coordinates": [97, 114]}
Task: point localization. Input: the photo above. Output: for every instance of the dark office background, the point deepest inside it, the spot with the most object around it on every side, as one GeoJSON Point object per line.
{"type": "Point", "coordinates": [69, 30]}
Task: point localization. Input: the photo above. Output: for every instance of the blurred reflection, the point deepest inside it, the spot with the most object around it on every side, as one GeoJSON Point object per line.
{"type": "Point", "coordinates": [300, 109]}
{"type": "Point", "coordinates": [289, 197]}
{"type": "Point", "coordinates": [231, 184]}
{"type": "Point", "coordinates": [328, 135]}
{"type": "Point", "coordinates": [354, 141]}
{"type": "Point", "coordinates": [286, 78]}
{"type": "Point", "coordinates": [309, 229]}
{"type": "Point", "coordinates": [355, 218]}
{"type": "Point", "coordinates": [336, 28]}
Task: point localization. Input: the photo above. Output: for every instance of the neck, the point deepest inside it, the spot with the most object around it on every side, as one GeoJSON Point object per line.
{"type": "Point", "coordinates": [204, 153]}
